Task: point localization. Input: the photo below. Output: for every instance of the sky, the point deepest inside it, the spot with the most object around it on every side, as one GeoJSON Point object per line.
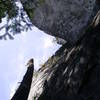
{"type": "Point", "coordinates": [14, 54]}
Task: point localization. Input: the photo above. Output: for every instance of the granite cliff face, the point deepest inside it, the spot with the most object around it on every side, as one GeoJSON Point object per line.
{"type": "Point", "coordinates": [73, 72]}
{"type": "Point", "coordinates": [66, 19]}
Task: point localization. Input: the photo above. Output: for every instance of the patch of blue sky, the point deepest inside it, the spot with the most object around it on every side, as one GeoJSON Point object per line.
{"type": "Point", "coordinates": [15, 53]}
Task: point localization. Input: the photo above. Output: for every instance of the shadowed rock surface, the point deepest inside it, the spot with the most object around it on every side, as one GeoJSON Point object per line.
{"type": "Point", "coordinates": [73, 72]}
{"type": "Point", "coordinates": [24, 88]}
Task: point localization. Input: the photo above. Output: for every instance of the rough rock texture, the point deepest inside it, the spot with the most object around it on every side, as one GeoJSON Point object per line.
{"type": "Point", "coordinates": [73, 73]}
{"type": "Point", "coordinates": [66, 19]}
{"type": "Point", "coordinates": [45, 73]}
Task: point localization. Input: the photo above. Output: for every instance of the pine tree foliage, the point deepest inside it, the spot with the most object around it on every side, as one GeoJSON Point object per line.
{"type": "Point", "coordinates": [16, 19]}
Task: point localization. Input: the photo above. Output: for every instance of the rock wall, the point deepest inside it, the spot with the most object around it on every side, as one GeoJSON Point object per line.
{"type": "Point", "coordinates": [73, 72]}
{"type": "Point", "coordinates": [66, 19]}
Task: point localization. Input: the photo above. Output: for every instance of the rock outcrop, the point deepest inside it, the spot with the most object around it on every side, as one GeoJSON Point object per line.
{"type": "Point", "coordinates": [73, 73]}
{"type": "Point", "coordinates": [66, 19]}
{"type": "Point", "coordinates": [23, 90]}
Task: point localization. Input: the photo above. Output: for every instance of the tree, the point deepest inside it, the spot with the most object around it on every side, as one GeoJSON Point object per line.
{"type": "Point", "coordinates": [16, 18]}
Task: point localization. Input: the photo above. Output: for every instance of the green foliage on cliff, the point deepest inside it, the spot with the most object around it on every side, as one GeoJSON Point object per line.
{"type": "Point", "coordinates": [28, 7]}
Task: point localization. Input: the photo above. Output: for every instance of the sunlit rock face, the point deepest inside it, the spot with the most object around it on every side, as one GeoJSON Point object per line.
{"type": "Point", "coordinates": [66, 19]}
{"type": "Point", "coordinates": [43, 75]}
{"type": "Point", "coordinates": [37, 84]}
